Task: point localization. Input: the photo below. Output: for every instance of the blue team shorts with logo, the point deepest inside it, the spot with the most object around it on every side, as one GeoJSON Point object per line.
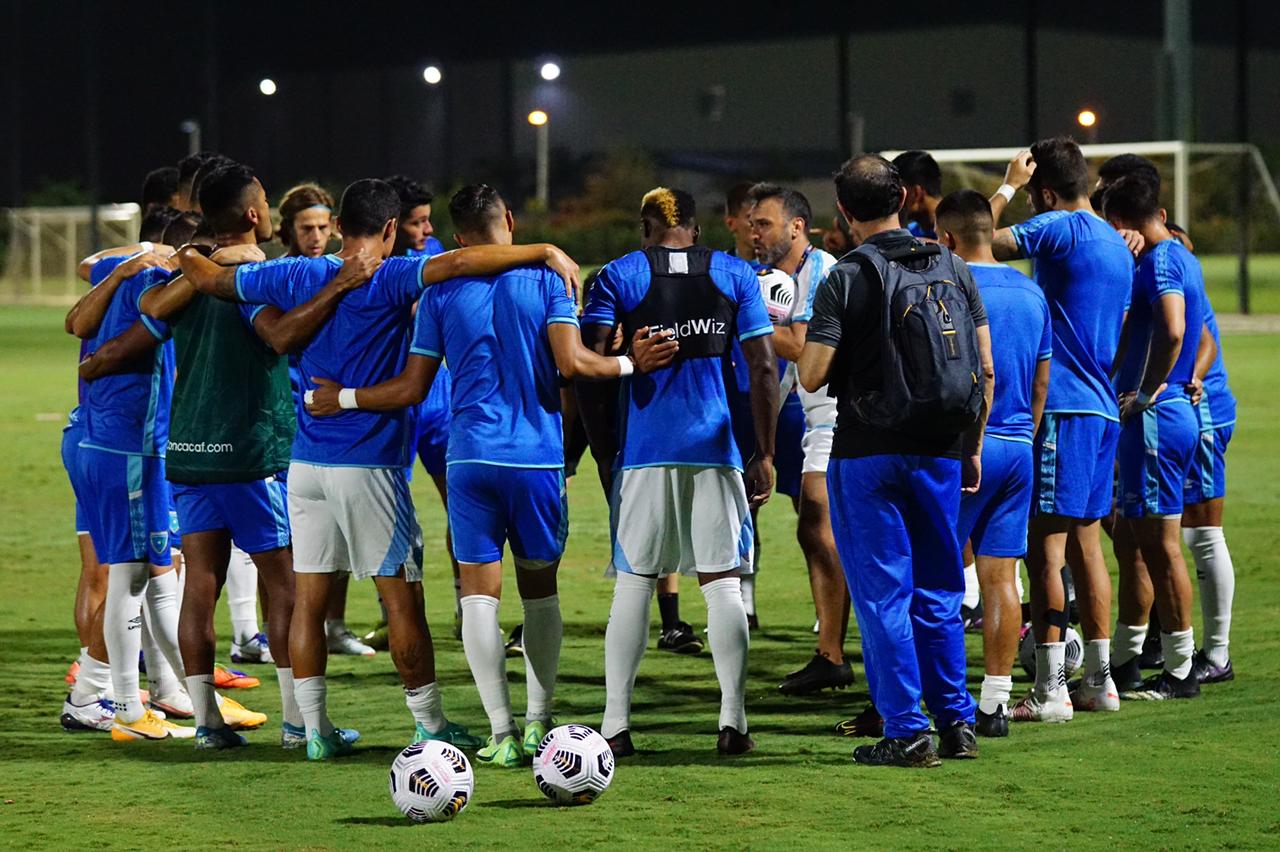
{"type": "Point", "coordinates": [72, 435]}
{"type": "Point", "coordinates": [1157, 450]}
{"type": "Point", "coordinates": [255, 513]}
{"type": "Point", "coordinates": [490, 505]}
{"type": "Point", "coordinates": [126, 504]}
{"type": "Point", "coordinates": [1207, 479]}
{"type": "Point", "coordinates": [1075, 456]}
{"type": "Point", "coordinates": [995, 519]}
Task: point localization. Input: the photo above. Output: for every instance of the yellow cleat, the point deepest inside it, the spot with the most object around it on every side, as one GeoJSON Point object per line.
{"type": "Point", "coordinates": [238, 717]}
{"type": "Point", "coordinates": [149, 727]}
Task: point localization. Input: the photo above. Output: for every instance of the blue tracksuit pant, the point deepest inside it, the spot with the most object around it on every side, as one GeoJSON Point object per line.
{"type": "Point", "coordinates": [894, 519]}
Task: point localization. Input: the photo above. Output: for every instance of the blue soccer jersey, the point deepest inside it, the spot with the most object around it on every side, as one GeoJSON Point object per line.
{"type": "Point", "coordinates": [1021, 337]}
{"type": "Point", "coordinates": [97, 274]}
{"type": "Point", "coordinates": [506, 393]}
{"type": "Point", "coordinates": [364, 343]}
{"type": "Point", "coordinates": [679, 415]}
{"type": "Point", "coordinates": [432, 248]}
{"type": "Point", "coordinates": [128, 412]}
{"type": "Point", "coordinates": [1166, 269]}
{"type": "Point", "coordinates": [1086, 272]}
{"type": "Point", "coordinates": [1219, 403]}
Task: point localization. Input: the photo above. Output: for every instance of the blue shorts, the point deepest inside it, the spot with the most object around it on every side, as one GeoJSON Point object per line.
{"type": "Point", "coordinates": [72, 435]}
{"type": "Point", "coordinates": [490, 505]}
{"type": "Point", "coordinates": [1207, 479]}
{"type": "Point", "coordinates": [126, 502]}
{"type": "Point", "coordinates": [1075, 456]}
{"type": "Point", "coordinates": [254, 513]}
{"type": "Point", "coordinates": [788, 454]}
{"type": "Point", "coordinates": [432, 423]}
{"type": "Point", "coordinates": [995, 519]}
{"type": "Point", "coordinates": [1157, 449]}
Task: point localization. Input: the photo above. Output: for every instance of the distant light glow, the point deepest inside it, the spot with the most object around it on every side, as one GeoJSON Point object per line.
{"type": "Point", "coordinates": [267, 86]}
{"type": "Point", "coordinates": [431, 74]}
{"type": "Point", "coordinates": [1087, 118]}
{"type": "Point", "coordinates": [549, 71]}
{"type": "Point", "coordinates": [537, 118]}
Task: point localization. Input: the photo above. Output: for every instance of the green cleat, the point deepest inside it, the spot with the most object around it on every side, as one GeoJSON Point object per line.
{"type": "Point", "coordinates": [218, 738]}
{"type": "Point", "coordinates": [451, 733]}
{"type": "Point", "coordinates": [534, 733]}
{"type": "Point", "coordinates": [324, 748]}
{"type": "Point", "coordinates": [507, 753]}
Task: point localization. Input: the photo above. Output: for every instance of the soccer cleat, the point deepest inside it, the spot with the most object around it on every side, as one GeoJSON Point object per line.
{"type": "Point", "coordinates": [993, 724]}
{"type": "Point", "coordinates": [972, 618]}
{"type": "Point", "coordinates": [73, 671]}
{"type": "Point", "coordinates": [1204, 671]}
{"type": "Point", "coordinates": [732, 741]}
{"type": "Point", "coordinates": [97, 715]}
{"type": "Point", "coordinates": [451, 733]}
{"type": "Point", "coordinates": [295, 736]}
{"type": "Point", "coordinates": [377, 638]}
{"type": "Point", "coordinates": [818, 674]}
{"type": "Point", "coordinates": [1127, 676]}
{"type": "Point", "coordinates": [508, 753]}
{"type": "Point", "coordinates": [218, 738]}
{"type": "Point", "coordinates": [1094, 697]}
{"type": "Point", "coordinates": [534, 733]}
{"type": "Point", "coordinates": [239, 717]}
{"type": "Point", "coordinates": [868, 723]}
{"type": "Point", "coordinates": [680, 640]}
{"type": "Point", "coordinates": [1164, 686]}
{"type": "Point", "coordinates": [1152, 656]}
{"type": "Point", "coordinates": [346, 642]}
{"type": "Point", "coordinates": [1056, 708]}
{"type": "Point", "coordinates": [176, 704]}
{"type": "Point", "coordinates": [620, 744]}
{"type": "Point", "coordinates": [327, 747]}
{"type": "Point", "coordinates": [233, 679]}
{"type": "Point", "coordinates": [256, 650]}
{"type": "Point", "coordinates": [957, 741]}
{"type": "Point", "coordinates": [515, 644]}
{"type": "Point", "coordinates": [915, 752]}
{"type": "Point", "coordinates": [149, 726]}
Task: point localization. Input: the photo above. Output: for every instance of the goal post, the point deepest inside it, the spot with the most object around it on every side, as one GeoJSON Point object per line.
{"type": "Point", "coordinates": [46, 244]}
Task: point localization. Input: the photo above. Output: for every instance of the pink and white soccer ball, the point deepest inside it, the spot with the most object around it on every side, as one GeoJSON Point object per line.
{"type": "Point", "coordinates": [779, 292]}
{"type": "Point", "coordinates": [431, 781]}
{"type": "Point", "coordinates": [573, 765]}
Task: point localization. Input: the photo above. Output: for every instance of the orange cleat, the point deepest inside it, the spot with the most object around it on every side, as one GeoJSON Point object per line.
{"type": "Point", "coordinates": [232, 679]}
{"type": "Point", "coordinates": [73, 672]}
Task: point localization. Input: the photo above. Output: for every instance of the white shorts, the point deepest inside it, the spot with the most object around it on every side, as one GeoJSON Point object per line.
{"type": "Point", "coordinates": [357, 519]}
{"type": "Point", "coordinates": [688, 520]}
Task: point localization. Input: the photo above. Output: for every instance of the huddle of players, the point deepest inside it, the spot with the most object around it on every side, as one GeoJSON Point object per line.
{"type": "Point", "coordinates": [509, 332]}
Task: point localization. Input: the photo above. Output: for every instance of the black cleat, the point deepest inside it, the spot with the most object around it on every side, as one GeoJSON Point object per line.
{"type": "Point", "coordinates": [914, 752]}
{"type": "Point", "coordinates": [731, 741]}
{"type": "Point", "coordinates": [620, 744]}
{"type": "Point", "coordinates": [1127, 676]}
{"type": "Point", "coordinates": [1206, 672]}
{"type": "Point", "coordinates": [680, 640]}
{"type": "Point", "coordinates": [1152, 656]}
{"type": "Point", "coordinates": [868, 723]}
{"type": "Point", "coordinates": [818, 674]}
{"type": "Point", "coordinates": [993, 724]}
{"type": "Point", "coordinates": [972, 618]}
{"type": "Point", "coordinates": [515, 644]}
{"type": "Point", "coordinates": [958, 742]}
{"type": "Point", "coordinates": [1164, 686]}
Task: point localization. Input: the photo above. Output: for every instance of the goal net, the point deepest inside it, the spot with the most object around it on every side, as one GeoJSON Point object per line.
{"type": "Point", "coordinates": [43, 245]}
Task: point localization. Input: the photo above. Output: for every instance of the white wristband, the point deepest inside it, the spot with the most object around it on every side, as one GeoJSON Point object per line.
{"type": "Point", "coordinates": [1007, 191]}
{"type": "Point", "coordinates": [625, 367]}
{"type": "Point", "coordinates": [147, 246]}
{"type": "Point", "coordinates": [308, 397]}
{"type": "Point", "coordinates": [347, 398]}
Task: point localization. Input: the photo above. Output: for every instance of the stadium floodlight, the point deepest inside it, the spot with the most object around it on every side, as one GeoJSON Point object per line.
{"type": "Point", "coordinates": [267, 86]}
{"type": "Point", "coordinates": [542, 150]}
{"type": "Point", "coordinates": [432, 75]}
{"type": "Point", "coordinates": [549, 71]}
{"type": "Point", "coordinates": [537, 118]}
{"type": "Point", "coordinates": [1087, 118]}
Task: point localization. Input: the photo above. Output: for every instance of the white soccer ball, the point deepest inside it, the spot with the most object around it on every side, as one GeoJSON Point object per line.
{"type": "Point", "coordinates": [779, 292]}
{"type": "Point", "coordinates": [573, 765]}
{"type": "Point", "coordinates": [1074, 651]}
{"type": "Point", "coordinates": [431, 781]}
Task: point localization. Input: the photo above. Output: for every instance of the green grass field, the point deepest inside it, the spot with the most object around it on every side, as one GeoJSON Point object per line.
{"type": "Point", "coordinates": [1185, 775]}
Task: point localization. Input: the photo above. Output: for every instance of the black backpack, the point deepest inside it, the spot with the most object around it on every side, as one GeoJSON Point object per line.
{"type": "Point", "coordinates": [928, 346]}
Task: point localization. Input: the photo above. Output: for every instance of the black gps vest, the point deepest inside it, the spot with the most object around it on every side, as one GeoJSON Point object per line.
{"type": "Point", "coordinates": [682, 297]}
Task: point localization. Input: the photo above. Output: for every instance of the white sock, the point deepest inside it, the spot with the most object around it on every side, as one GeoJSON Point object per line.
{"type": "Point", "coordinates": [162, 620]}
{"type": "Point", "coordinates": [425, 704]}
{"type": "Point", "coordinates": [972, 591]}
{"type": "Point", "coordinates": [624, 642]}
{"type": "Point", "coordinates": [1178, 648]}
{"type": "Point", "coordinates": [1017, 580]}
{"type": "Point", "coordinates": [205, 701]}
{"type": "Point", "coordinates": [1051, 671]}
{"type": "Point", "coordinates": [543, 631]}
{"type": "Point", "coordinates": [334, 628]}
{"type": "Point", "coordinates": [995, 692]}
{"type": "Point", "coordinates": [729, 638]}
{"type": "Point", "coordinates": [1217, 580]}
{"type": "Point", "coordinates": [487, 656]}
{"type": "Point", "coordinates": [84, 649]}
{"type": "Point", "coordinates": [1127, 641]}
{"type": "Point", "coordinates": [1097, 660]}
{"type": "Point", "coordinates": [122, 630]}
{"type": "Point", "coordinates": [748, 585]}
{"type": "Point", "coordinates": [161, 679]}
{"type": "Point", "coordinates": [93, 680]}
{"type": "Point", "coordinates": [311, 694]}
{"type": "Point", "coordinates": [289, 709]}
{"type": "Point", "coordinates": [242, 596]}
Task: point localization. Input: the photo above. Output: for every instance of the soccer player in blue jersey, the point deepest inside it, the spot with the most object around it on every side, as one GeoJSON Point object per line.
{"type": "Point", "coordinates": [922, 179]}
{"type": "Point", "coordinates": [995, 517]}
{"type": "Point", "coordinates": [679, 500]}
{"type": "Point", "coordinates": [1086, 271]}
{"type": "Point", "coordinates": [349, 502]}
{"type": "Point", "coordinates": [1161, 433]}
{"type": "Point", "coordinates": [505, 337]}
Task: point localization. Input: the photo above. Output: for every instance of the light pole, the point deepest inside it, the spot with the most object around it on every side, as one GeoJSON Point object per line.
{"type": "Point", "coordinates": [540, 122]}
{"type": "Point", "coordinates": [191, 127]}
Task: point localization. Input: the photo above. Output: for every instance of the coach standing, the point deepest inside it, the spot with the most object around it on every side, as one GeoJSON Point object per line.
{"type": "Point", "coordinates": [900, 333]}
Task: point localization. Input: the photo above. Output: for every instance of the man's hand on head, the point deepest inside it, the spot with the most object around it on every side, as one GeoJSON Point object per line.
{"type": "Point", "coordinates": [1020, 169]}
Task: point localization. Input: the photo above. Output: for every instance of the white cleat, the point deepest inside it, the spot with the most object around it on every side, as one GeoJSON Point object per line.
{"type": "Point", "coordinates": [345, 642]}
{"type": "Point", "coordinates": [174, 703]}
{"type": "Point", "coordinates": [1100, 697]}
{"type": "Point", "coordinates": [97, 714]}
{"type": "Point", "coordinates": [256, 650]}
{"type": "Point", "coordinates": [1031, 708]}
